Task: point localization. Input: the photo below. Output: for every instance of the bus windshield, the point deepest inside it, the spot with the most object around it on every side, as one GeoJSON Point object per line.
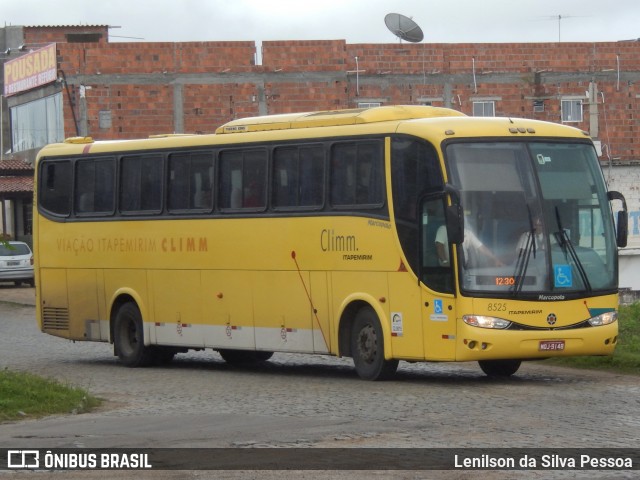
{"type": "Point", "coordinates": [536, 219]}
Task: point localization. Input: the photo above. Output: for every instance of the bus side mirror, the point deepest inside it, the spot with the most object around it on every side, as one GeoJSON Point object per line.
{"type": "Point", "coordinates": [455, 224]}
{"type": "Point", "coordinates": [622, 223]}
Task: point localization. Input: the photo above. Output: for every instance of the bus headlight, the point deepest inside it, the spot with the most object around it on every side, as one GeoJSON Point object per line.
{"type": "Point", "coordinates": [485, 322]}
{"type": "Point", "coordinates": [603, 319]}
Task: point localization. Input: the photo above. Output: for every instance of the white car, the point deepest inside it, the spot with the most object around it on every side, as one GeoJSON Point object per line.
{"type": "Point", "coordinates": [16, 263]}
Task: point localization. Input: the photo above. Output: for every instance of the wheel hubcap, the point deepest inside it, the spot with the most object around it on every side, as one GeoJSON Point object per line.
{"type": "Point", "coordinates": [367, 344]}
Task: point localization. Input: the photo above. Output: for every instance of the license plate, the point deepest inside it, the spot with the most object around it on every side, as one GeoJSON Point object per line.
{"type": "Point", "coordinates": [13, 263]}
{"type": "Point", "coordinates": [551, 345]}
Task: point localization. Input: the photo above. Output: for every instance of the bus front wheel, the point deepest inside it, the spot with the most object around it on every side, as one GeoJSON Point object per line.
{"type": "Point", "coordinates": [499, 368]}
{"type": "Point", "coordinates": [128, 337]}
{"type": "Point", "coordinates": [367, 347]}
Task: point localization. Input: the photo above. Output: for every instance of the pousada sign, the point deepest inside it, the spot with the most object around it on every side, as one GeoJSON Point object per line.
{"type": "Point", "coordinates": [31, 70]}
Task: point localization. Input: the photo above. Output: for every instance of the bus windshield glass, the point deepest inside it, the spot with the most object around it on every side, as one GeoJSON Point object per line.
{"type": "Point", "coordinates": [537, 219]}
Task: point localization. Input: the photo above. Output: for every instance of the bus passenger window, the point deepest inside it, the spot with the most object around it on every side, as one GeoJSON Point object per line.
{"type": "Point", "coordinates": [298, 176]}
{"type": "Point", "coordinates": [55, 187]}
{"type": "Point", "coordinates": [95, 190]}
{"type": "Point", "coordinates": [141, 183]}
{"type": "Point", "coordinates": [243, 177]}
{"type": "Point", "coordinates": [311, 171]}
{"type": "Point", "coordinates": [190, 181]}
{"type": "Point", "coordinates": [356, 176]}
{"type": "Point", "coordinates": [285, 177]}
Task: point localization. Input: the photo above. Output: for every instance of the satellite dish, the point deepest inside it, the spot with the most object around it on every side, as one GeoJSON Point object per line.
{"type": "Point", "coordinates": [403, 27]}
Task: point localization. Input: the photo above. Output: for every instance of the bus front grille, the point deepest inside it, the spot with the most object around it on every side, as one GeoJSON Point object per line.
{"type": "Point", "coordinates": [55, 318]}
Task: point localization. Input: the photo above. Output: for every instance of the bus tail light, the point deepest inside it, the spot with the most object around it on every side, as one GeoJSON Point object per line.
{"type": "Point", "coordinates": [485, 322]}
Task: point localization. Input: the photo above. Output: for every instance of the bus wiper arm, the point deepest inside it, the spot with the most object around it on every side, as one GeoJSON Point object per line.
{"type": "Point", "coordinates": [523, 257]}
{"type": "Point", "coordinates": [566, 244]}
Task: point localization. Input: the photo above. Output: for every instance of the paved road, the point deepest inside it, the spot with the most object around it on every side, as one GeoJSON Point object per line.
{"type": "Point", "coordinates": [312, 401]}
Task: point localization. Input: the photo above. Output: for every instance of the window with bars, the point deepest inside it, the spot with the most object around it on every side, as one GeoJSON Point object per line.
{"type": "Point", "coordinates": [572, 110]}
{"type": "Point", "coordinates": [484, 109]}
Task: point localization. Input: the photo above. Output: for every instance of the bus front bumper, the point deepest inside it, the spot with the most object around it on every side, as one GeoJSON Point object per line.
{"type": "Point", "coordinates": [475, 343]}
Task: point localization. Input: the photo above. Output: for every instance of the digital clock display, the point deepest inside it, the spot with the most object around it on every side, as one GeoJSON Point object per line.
{"type": "Point", "coordinates": [505, 281]}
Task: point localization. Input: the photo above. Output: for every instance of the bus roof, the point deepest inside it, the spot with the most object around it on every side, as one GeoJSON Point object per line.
{"type": "Point", "coordinates": [332, 118]}
{"type": "Point", "coordinates": [406, 119]}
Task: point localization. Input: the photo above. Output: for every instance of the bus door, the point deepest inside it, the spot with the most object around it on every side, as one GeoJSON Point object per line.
{"type": "Point", "coordinates": [437, 279]}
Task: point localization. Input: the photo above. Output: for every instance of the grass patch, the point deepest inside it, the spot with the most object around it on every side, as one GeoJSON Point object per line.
{"type": "Point", "coordinates": [626, 358]}
{"type": "Point", "coordinates": [25, 395]}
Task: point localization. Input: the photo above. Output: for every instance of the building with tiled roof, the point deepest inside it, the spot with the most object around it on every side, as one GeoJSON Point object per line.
{"type": "Point", "coordinates": [16, 190]}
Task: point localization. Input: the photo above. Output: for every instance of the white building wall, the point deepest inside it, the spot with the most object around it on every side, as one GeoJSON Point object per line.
{"type": "Point", "coordinates": [626, 180]}
{"type": "Point", "coordinates": [6, 218]}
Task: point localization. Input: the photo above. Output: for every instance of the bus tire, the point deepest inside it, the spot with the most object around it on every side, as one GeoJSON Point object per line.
{"type": "Point", "coordinates": [367, 347]}
{"type": "Point", "coordinates": [244, 357]}
{"type": "Point", "coordinates": [128, 337]}
{"type": "Point", "coordinates": [499, 368]}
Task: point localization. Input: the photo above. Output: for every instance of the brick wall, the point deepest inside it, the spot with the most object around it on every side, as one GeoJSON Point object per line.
{"type": "Point", "coordinates": [141, 84]}
{"type": "Point", "coordinates": [53, 34]}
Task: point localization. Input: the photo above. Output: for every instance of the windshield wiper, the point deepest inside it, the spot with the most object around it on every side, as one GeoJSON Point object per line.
{"type": "Point", "coordinates": [522, 263]}
{"type": "Point", "coordinates": [565, 243]}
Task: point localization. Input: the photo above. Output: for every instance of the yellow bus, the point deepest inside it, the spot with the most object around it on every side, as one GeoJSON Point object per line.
{"type": "Point", "coordinates": [392, 233]}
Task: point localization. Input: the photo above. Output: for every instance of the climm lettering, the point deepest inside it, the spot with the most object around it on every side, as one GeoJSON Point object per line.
{"type": "Point", "coordinates": [330, 241]}
{"type": "Point", "coordinates": [184, 244]}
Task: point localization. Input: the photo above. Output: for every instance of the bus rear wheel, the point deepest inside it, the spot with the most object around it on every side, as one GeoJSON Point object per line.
{"type": "Point", "coordinates": [128, 337]}
{"type": "Point", "coordinates": [367, 347]}
{"type": "Point", "coordinates": [499, 368]}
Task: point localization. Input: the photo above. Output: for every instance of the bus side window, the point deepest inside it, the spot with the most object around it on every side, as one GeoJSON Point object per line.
{"type": "Point", "coordinates": [190, 181]}
{"type": "Point", "coordinates": [55, 187]}
{"type": "Point", "coordinates": [356, 176]}
{"type": "Point", "coordinates": [95, 186]}
{"type": "Point", "coordinates": [243, 179]}
{"type": "Point", "coordinates": [201, 181]}
{"type": "Point", "coordinates": [141, 183]}
{"type": "Point", "coordinates": [178, 182]}
{"type": "Point", "coordinates": [255, 179]}
{"type": "Point", "coordinates": [311, 171]}
{"type": "Point", "coordinates": [369, 175]}
{"type": "Point", "coordinates": [285, 177]}
{"type": "Point", "coordinates": [298, 177]}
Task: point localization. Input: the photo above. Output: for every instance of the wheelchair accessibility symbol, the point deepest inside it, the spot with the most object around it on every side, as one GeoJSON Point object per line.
{"type": "Point", "coordinates": [437, 306]}
{"type": "Point", "coordinates": [562, 276]}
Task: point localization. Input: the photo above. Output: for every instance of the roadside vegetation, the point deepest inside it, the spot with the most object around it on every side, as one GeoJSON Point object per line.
{"type": "Point", "coordinates": [626, 358]}
{"type": "Point", "coordinates": [25, 395]}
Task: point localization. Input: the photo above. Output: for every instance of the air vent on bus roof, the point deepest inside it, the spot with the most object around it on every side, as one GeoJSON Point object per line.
{"type": "Point", "coordinates": [335, 118]}
{"type": "Point", "coordinates": [78, 140]}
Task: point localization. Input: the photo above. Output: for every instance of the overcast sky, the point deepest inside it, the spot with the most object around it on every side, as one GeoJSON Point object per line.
{"type": "Point", "coordinates": [356, 21]}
